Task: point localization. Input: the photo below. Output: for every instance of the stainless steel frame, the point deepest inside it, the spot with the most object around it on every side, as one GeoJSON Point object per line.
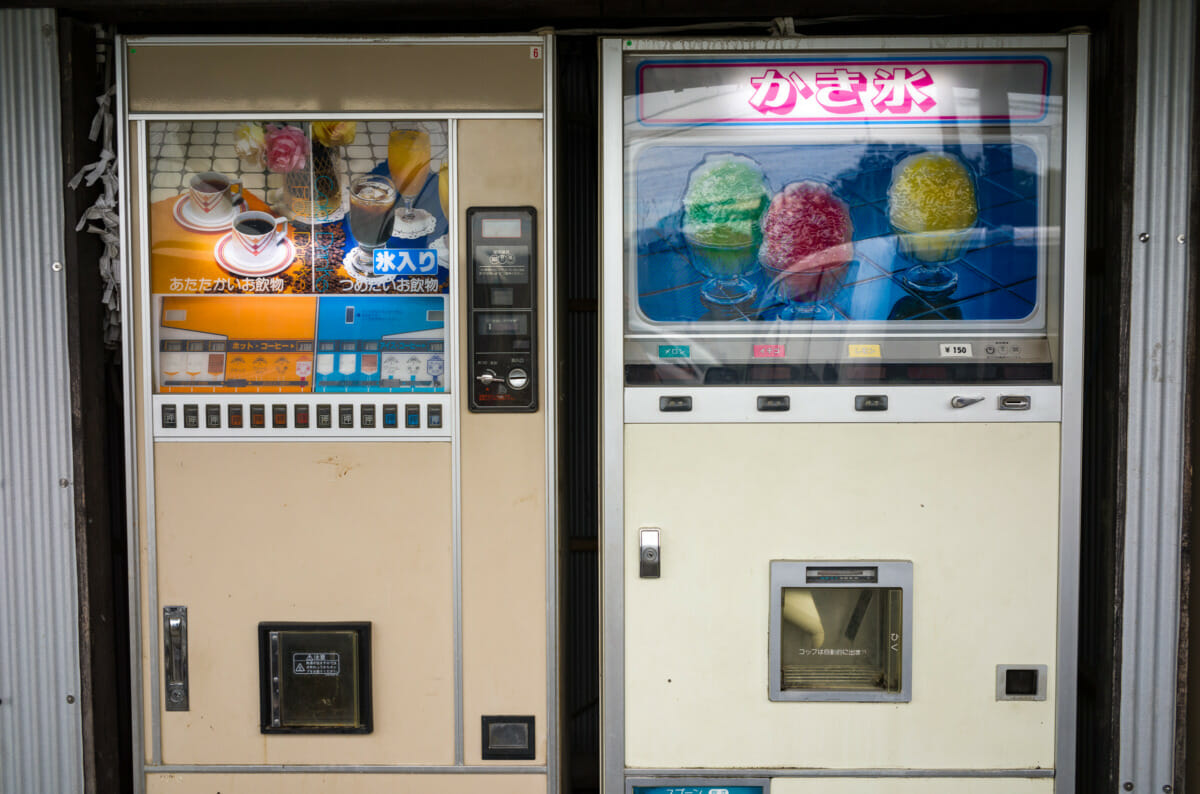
{"type": "Point", "coordinates": [692, 780]}
{"type": "Point", "coordinates": [144, 431]}
{"type": "Point", "coordinates": [616, 410]}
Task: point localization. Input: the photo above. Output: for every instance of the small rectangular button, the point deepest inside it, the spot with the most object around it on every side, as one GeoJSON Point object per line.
{"type": "Point", "coordinates": [412, 416]}
{"type": "Point", "coordinates": [391, 416]}
{"type": "Point", "coordinates": [324, 415]}
{"type": "Point", "coordinates": [366, 415]}
{"type": "Point", "coordinates": [433, 415]}
{"type": "Point", "coordinates": [870, 402]}
{"type": "Point", "coordinates": [299, 415]}
{"type": "Point", "coordinates": [191, 415]}
{"type": "Point", "coordinates": [169, 416]}
{"type": "Point", "coordinates": [258, 416]}
{"type": "Point", "coordinates": [278, 415]}
{"type": "Point", "coordinates": [345, 416]}
{"type": "Point", "coordinates": [212, 416]}
{"type": "Point", "coordinates": [673, 404]}
{"type": "Point", "coordinates": [779, 402]}
{"type": "Point", "coordinates": [234, 415]}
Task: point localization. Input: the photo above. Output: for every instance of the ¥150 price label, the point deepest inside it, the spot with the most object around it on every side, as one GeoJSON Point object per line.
{"type": "Point", "coordinates": [956, 350]}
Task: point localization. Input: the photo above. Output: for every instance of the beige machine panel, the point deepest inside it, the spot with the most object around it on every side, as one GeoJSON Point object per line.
{"type": "Point", "coordinates": [250, 532]}
{"type": "Point", "coordinates": [316, 783]}
{"type": "Point", "coordinates": [973, 506]}
{"type": "Point", "coordinates": [503, 475]}
{"type": "Point", "coordinates": [328, 77]}
{"type": "Point", "coordinates": [911, 786]}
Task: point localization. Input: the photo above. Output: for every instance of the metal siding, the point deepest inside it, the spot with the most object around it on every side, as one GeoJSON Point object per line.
{"type": "Point", "coordinates": [1157, 391]}
{"type": "Point", "coordinates": [40, 732]}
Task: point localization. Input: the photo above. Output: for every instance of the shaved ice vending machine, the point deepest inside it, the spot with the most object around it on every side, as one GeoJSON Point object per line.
{"type": "Point", "coordinates": [842, 320]}
{"type": "Point", "coordinates": [344, 569]}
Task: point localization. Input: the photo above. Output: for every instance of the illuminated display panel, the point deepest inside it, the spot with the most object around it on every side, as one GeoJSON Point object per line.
{"type": "Point", "coordinates": [299, 256]}
{"type": "Point", "coordinates": [842, 218]}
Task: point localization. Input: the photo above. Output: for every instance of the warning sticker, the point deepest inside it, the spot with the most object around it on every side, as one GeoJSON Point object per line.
{"type": "Point", "coordinates": [316, 663]}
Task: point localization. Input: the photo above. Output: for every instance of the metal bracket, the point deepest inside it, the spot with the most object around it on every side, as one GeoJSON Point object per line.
{"type": "Point", "coordinates": [175, 658]}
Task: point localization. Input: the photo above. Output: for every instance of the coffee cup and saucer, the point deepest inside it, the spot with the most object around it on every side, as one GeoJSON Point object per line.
{"type": "Point", "coordinates": [257, 246]}
{"type": "Point", "coordinates": [210, 203]}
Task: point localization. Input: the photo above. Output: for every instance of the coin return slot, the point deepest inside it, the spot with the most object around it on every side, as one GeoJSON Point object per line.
{"type": "Point", "coordinates": [1021, 681]}
{"type": "Point", "coordinates": [506, 737]}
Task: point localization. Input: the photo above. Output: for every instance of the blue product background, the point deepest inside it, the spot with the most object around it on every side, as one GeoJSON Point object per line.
{"type": "Point", "coordinates": [427, 200]}
{"type": "Point", "coordinates": [375, 316]}
{"type": "Point", "coordinates": [997, 274]}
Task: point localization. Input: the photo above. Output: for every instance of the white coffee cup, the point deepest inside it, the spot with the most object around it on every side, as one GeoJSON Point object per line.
{"type": "Point", "coordinates": [258, 231]}
{"type": "Point", "coordinates": [213, 193]}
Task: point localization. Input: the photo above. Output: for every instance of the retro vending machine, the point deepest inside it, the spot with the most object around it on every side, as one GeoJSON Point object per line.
{"type": "Point", "coordinates": [842, 318]}
{"type": "Point", "coordinates": [340, 353]}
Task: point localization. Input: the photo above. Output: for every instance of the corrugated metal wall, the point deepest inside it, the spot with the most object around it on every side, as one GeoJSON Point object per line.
{"type": "Point", "coordinates": [40, 744]}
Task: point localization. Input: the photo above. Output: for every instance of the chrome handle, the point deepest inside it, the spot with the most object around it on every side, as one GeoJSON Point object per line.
{"type": "Point", "coordinates": [175, 657]}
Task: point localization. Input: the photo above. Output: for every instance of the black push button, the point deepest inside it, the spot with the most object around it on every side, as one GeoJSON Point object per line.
{"type": "Point", "coordinates": [433, 415]}
{"type": "Point", "coordinates": [169, 416]}
{"type": "Point", "coordinates": [324, 415]}
{"type": "Point", "coordinates": [673, 404]}
{"type": "Point", "coordinates": [234, 414]}
{"type": "Point", "coordinates": [412, 416]}
{"type": "Point", "coordinates": [258, 416]}
{"type": "Point", "coordinates": [345, 416]}
{"type": "Point", "coordinates": [774, 403]}
{"type": "Point", "coordinates": [191, 416]}
{"type": "Point", "coordinates": [366, 414]}
{"type": "Point", "coordinates": [212, 416]}
{"type": "Point", "coordinates": [299, 415]}
{"type": "Point", "coordinates": [391, 416]}
{"type": "Point", "coordinates": [870, 402]}
{"type": "Point", "coordinates": [278, 415]}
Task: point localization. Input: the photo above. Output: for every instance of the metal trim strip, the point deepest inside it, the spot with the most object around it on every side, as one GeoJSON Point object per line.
{"type": "Point", "coordinates": [134, 588]}
{"type": "Point", "coordinates": [206, 769]}
{"type": "Point", "coordinates": [550, 381]}
{"type": "Point", "coordinates": [456, 467]}
{"type": "Point", "coordinates": [268, 41]}
{"type": "Point", "coordinates": [863, 773]}
{"type": "Point", "coordinates": [843, 44]}
{"type": "Point", "coordinates": [612, 379]}
{"type": "Point", "coordinates": [144, 116]}
{"type": "Point", "coordinates": [1074, 253]}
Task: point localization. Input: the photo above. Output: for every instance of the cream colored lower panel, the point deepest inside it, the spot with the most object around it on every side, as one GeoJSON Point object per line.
{"type": "Point", "coordinates": [315, 783]}
{"type": "Point", "coordinates": [911, 786]}
{"type": "Point", "coordinates": [974, 507]}
{"type": "Point", "coordinates": [251, 532]}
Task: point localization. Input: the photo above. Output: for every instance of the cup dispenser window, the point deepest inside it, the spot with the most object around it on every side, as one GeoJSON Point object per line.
{"type": "Point", "coordinates": [841, 631]}
{"type": "Point", "coordinates": [315, 677]}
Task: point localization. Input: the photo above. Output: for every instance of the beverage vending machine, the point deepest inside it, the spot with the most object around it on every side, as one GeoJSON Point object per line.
{"type": "Point", "coordinates": [339, 352]}
{"type": "Point", "coordinates": [842, 320]}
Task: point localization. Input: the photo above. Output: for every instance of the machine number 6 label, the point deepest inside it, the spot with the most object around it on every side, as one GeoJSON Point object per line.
{"type": "Point", "coordinates": [956, 350]}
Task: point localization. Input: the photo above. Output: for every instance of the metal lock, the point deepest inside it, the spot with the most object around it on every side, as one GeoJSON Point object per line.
{"type": "Point", "coordinates": [649, 553]}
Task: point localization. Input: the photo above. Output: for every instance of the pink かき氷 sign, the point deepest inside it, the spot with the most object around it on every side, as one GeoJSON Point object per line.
{"type": "Point", "coordinates": [938, 90]}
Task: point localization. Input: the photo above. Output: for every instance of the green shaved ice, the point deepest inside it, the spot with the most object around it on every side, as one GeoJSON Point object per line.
{"type": "Point", "coordinates": [729, 193]}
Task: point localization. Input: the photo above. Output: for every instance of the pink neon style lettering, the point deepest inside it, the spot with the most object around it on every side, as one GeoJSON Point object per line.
{"type": "Point", "coordinates": [839, 91]}
{"type": "Point", "coordinates": [897, 90]}
{"type": "Point", "coordinates": [773, 93]}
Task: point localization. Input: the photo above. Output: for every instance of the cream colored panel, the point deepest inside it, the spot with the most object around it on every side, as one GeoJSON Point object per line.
{"type": "Point", "coordinates": [503, 476]}
{"type": "Point", "coordinates": [974, 507]}
{"type": "Point", "coordinates": [911, 786]}
{"type": "Point", "coordinates": [314, 783]}
{"type": "Point", "coordinates": [251, 532]}
{"type": "Point", "coordinates": [331, 78]}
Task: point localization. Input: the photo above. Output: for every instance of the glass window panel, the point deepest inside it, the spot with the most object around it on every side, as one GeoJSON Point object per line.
{"type": "Point", "coordinates": [837, 639]}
